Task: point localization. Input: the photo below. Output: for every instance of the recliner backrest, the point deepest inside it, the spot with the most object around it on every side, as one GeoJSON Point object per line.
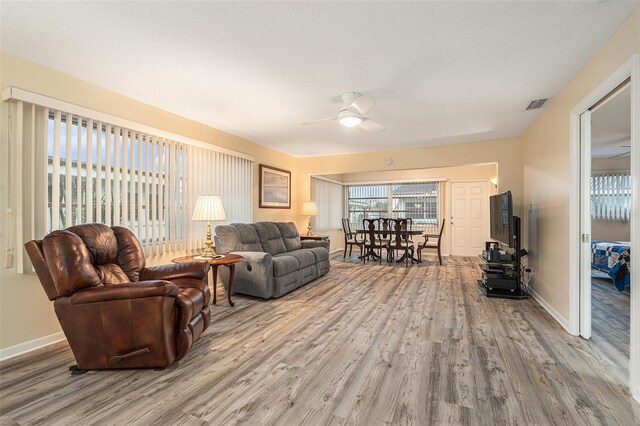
{"type": "Point", "coordinates": [290, 235]}
{"type": "Point", "coordinates": [249, 239]}
{"type": "Point", "coordinates": [85, 256]}
{"type": "Point", "coordinates": [270, 238]}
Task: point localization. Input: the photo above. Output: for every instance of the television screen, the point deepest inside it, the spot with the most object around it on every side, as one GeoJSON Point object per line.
{"type": "Point", "coordinates": [501, 214]}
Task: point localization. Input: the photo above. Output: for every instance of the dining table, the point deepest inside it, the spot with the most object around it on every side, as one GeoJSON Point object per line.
{"type": "Point", "coordinates": [372, 253]}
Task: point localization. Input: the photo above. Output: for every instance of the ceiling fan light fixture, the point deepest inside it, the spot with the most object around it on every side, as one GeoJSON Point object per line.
{"type": "Point", "coordinates": [349, 118]}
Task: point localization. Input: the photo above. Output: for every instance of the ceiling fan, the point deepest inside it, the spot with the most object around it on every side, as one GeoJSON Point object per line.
{"type": "Point", "coordinates": [624, 153]}
{"type": "Point", "coordinates": [354, 106]}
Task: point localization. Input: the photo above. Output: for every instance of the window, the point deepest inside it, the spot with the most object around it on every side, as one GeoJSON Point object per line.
{"type": "Point", "coordinates": [611, 196]}
{"type": "Point", "coordinates": [329, 198]}
{"type": "Point", "coordinates": [418, 201]}
{"type": "Point", "coordinates": [77, 170]}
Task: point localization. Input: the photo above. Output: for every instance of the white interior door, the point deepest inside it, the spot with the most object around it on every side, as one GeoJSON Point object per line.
{"type": "Point", "coordinates": [469, 217]}
{"type": "Point", "coordinates": [585, 224]}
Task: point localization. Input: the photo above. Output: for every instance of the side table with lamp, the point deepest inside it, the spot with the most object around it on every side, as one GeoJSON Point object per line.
{"type": "Point", "coordinates": [209, 208]}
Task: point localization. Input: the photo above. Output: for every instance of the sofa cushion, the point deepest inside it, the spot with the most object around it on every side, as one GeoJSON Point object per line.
{"type": "Point", "coordinates": [249, 240]}
{"type": "Point", "coordinates": [284, 264]}
{"type": "Point", "coordinates": [290, 235]}
{"type": "Point", "coordinates": [270, 238]}
{"type": "Point", "coordinates": [305, 257]}
{"type": "Point", "coordinates": [320, 253]}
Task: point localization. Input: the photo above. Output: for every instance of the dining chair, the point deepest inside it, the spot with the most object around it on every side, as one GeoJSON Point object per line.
{"type": "Point", "coordinates": [350, 238]}
{"type": "Point", "coordinates": [400, 241]}
{"type": "Point", "coordinates": [385, 225]}
{"type": "Point", "coordinates": [371, 242]}
{"type": "Point", "coordinates": [428, 244]}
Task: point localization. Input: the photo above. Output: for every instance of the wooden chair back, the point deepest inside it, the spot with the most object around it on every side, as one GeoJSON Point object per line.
{"type": "Point", "coordinates": [346, 227]}
{"type": "Point", "coordinates": [385, 225]}
{"type": "Point", "coordinates": [371, 226]}
{"type": "Point", "coordinates": [400, 232]}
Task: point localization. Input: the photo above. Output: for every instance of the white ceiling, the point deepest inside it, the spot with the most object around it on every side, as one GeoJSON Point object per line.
{"type": "Point", "coordinates": [611, 127]}
{"type": "Point", "coordinates": [445, 72]}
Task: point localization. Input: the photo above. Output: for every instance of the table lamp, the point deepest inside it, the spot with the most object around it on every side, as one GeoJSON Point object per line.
{"type": "Point", "coordinates": [208, 208]}
{"type": "Point", "coordinates": [309, 208]}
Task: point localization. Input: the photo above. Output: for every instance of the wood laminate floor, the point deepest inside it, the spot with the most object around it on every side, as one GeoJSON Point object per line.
{"type": "Point", "coordinates": [610, 324]}
{"type": "Point", "coordinates": [364, 345]}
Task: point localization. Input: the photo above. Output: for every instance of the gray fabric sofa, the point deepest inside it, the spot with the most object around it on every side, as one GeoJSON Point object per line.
{"type": "Point", "coordinates": [275, 260]}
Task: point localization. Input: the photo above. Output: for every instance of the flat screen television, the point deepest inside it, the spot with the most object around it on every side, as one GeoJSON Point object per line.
{"type": "Point", "coordinates": [501, 214]}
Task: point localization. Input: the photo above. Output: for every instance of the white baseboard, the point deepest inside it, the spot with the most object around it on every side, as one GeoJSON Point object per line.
{"type": "Point", "coordinates": [555, 314]}
{"type": "Point", "coordinates": [31, 345]}
{"type": "Point", "coordinates": [636, 395]}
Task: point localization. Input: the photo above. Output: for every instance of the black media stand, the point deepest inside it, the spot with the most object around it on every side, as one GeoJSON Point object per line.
{"type": "Point", "coordinates": [503, 278]}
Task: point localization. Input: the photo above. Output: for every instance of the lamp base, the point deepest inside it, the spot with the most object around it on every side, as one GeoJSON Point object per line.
{"type": "Point", "coordinates": [309, 231]}
{"type": "Point", "coordinates": [208, 252]}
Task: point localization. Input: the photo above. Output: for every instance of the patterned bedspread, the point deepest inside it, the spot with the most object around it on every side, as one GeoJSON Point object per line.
{"type": "Point", "coordinates": [613, 258]}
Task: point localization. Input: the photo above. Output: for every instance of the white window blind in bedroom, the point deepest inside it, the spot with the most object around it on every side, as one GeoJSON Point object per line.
{"type": "Point", "coordinates": [611, 196]}
{"type": "Point", "coordinates": [329, 198]}
{"type": "Point", "coordinates": [68, 169]}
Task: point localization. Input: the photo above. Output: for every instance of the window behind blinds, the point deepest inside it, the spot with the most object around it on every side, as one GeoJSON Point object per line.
{"type": "Point", "coordinates": [611, 196]}
{"type": "Point", "coordinates": [418, 201]}
{"type": "Point", "coordinates": [329, 198]}
{"type": "Point", "coordinates": [76, 169]}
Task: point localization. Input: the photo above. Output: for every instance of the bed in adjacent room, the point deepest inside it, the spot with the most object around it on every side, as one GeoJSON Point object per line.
{"type": "Point", "coordinates": [613, 258]}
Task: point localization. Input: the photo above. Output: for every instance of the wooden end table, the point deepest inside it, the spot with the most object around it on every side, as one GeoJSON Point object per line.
{"type": "Point", "coordinates": [229, 260]}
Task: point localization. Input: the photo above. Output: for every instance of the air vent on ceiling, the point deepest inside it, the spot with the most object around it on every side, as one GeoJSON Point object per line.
{"type": "Point", "coordinates": [538, 103]}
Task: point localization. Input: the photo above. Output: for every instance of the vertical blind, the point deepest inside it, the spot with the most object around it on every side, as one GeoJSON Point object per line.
{"type": "Point", "coordinates": [418, 201]}
{"type": "Point", "coordinates": [92, 171]}
{"type": "Point", "coordinates": [329, 198]}
{"type": "Point", "coordinates": [611, 196]}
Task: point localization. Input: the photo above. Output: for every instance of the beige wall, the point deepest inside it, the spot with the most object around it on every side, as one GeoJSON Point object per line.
{"type": "Point", "coordinates": [460, 173]}
{"type": "Point", "coordinates": [613, 230]}
{"type": "Point", "coordinates": [547, 167]}
{"type": "Point", "coordinates": [25, 313]}
{"type": "Point", "coordinates": [616, 230]}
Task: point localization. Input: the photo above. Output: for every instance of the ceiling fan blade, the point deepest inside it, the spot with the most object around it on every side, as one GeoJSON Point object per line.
{"type": "Point", "coordinates": [372, 126]}
{"type": "Point", "coordinates": [621, 155]}
{"type": "Point", "coordinates": [363, 104]}
{"type": "Point", "coordinates": [322, 120]}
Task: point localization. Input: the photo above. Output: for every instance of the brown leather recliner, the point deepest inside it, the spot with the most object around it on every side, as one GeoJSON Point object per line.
{"type": "Point", "coordinates": [115, 312]}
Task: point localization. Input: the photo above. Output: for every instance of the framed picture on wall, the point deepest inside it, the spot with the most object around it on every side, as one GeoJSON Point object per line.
{"type": "Point", "coordinates": [275, 188]}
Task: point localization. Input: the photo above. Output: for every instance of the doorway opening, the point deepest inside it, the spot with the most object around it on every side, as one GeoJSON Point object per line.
{"type": "Point", "coordinates": [581, 249]}
{"type": "Point", "coordinates": [610, 227]}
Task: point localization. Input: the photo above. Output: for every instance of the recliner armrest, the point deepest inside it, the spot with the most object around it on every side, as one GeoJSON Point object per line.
{"type": "Point", "coordinates": [134, 290]}
{"type": "Point", "coordinates": [254, 256]}
{"type": "Point", "coordinates": [198, 270]}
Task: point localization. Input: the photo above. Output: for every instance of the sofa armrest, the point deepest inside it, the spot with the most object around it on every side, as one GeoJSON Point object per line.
{"type": "Point", "coordinates": [135, 290]}
{"type": "Point", "coordinates": [197, 270]}
{"type": "Point", "coordinates": [307, 244]}
{"type": "Point", "coordinates": [253, 276]}
{"type": "Point", "coordinates": [254, 256]}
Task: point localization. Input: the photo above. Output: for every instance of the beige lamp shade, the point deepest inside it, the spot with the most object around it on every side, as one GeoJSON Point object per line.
{"type": "Point", "coordinates": [309, 208]}
{"type": "Point", "coordinates": [208, 208]}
